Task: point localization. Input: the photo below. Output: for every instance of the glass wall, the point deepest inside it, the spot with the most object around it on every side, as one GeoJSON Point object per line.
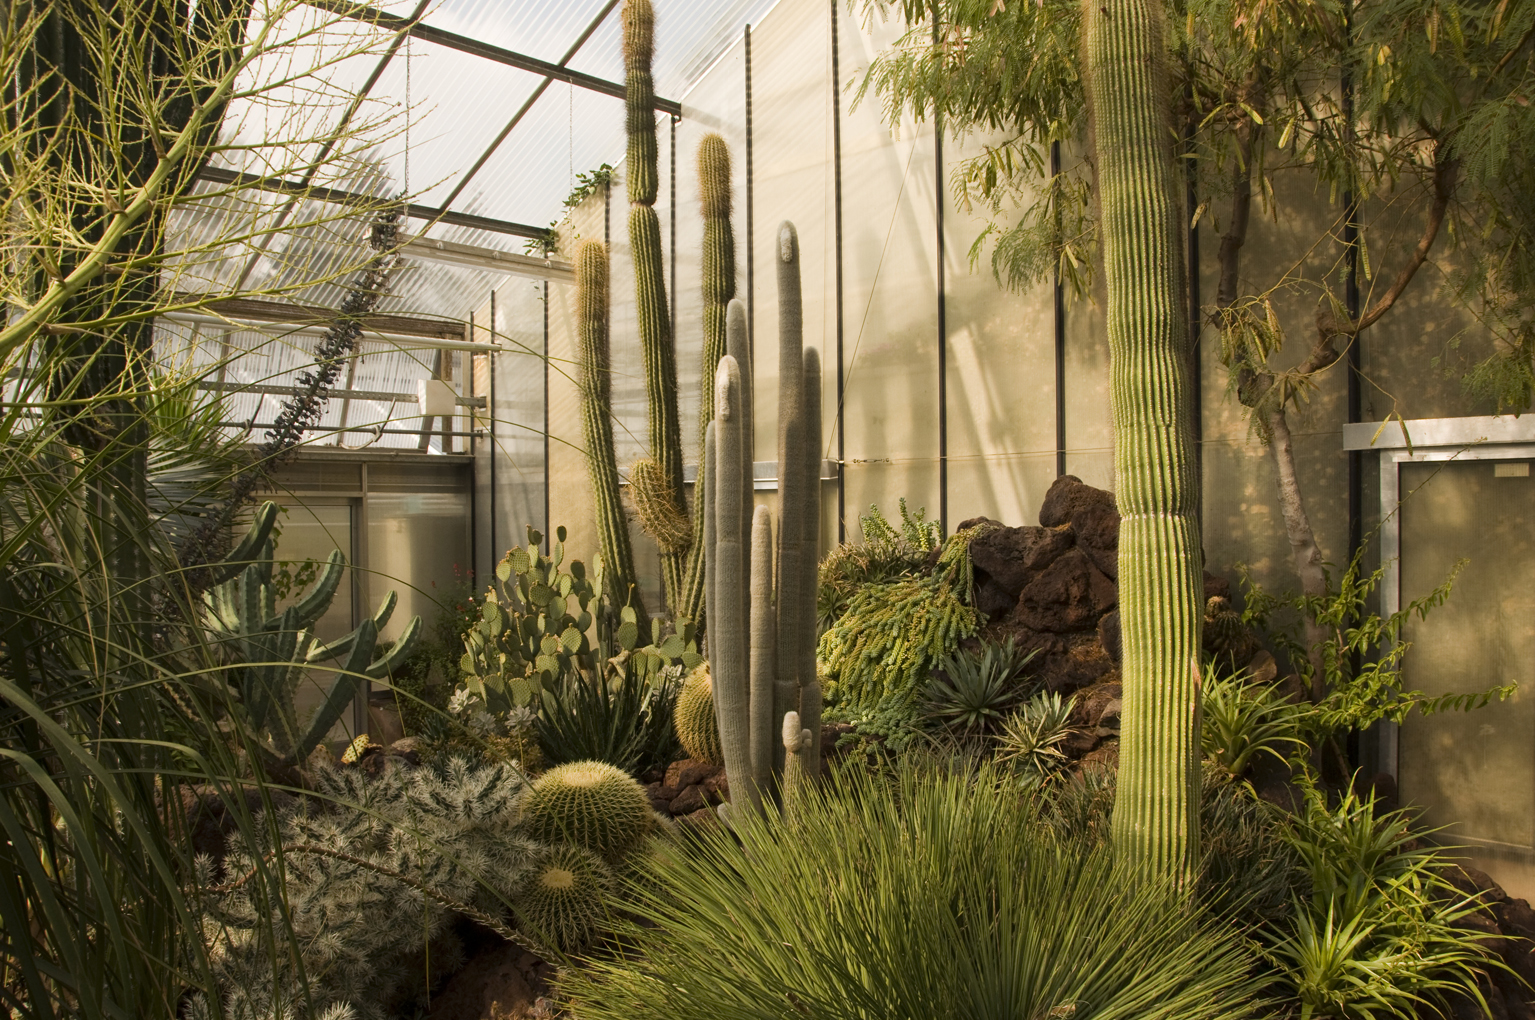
{"type": "Point", "coordinates": [1473, 771]}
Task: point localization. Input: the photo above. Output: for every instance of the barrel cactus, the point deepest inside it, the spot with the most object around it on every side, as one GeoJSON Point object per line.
{"type": "Point", "coordinates": [694, 720]}
{"type": "Point", "coordinates": [564, 901]}
{"type": "Point", "coordinates": [590, 804]}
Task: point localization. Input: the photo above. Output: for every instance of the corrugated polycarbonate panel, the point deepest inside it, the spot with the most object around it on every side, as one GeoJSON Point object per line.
{"type": "Point", "coordinates": [450, 108]}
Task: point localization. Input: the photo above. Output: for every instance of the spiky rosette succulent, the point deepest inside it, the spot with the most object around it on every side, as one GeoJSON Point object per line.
{"type": "Point", "coordinates": [590, 804]}
{"type": "Point", "coordinates": [694, 718]}
{"type": "Point", "coordinates": [564, 902]}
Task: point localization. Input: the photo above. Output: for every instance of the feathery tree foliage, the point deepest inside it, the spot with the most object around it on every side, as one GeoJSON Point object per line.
{"type": "Point", "coordinates": [109, 703]}
{"type": "Point", "coordinates": [1412, 116]}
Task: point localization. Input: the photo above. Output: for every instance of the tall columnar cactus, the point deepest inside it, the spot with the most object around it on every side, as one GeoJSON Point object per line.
{"type": "Point", "coordinates": [1156, 814]}
{"type": "Point", "coordinates": [272, 650]}
{"type": "Point", "coordinates": [597, 425]}
{"type": "Point", "coordinates": [762, 638]}
{"type": "Point", "coordinates": [719, 286]}
{"type": "Point", "coordinates": [663, 508]}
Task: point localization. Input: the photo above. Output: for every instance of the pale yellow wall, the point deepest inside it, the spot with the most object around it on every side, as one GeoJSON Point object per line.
{"type": "Point", "coordinates": [1001, 398]}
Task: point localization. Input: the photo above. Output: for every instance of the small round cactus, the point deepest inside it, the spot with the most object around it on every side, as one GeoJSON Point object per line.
{"type": "Point", "coordinates": [590, 804]}
{"type": "Point", "coordinates": [565, 900]}
{"type": "Point", "coordinates": [693, 718]}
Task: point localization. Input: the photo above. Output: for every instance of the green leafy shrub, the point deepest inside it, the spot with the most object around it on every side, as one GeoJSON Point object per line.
{"type": "Point", "coordinates": [887, 552]}
{"type": "Point", "coordinates": [923, 895]}
{"type": "Point", "coordinates": [1375, 932]}
{"type": "Point", "coordinates": [975, 689]}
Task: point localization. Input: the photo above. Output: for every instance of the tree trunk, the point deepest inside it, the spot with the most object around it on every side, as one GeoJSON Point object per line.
{"type": "Point", "coordinates": [1303, 548]}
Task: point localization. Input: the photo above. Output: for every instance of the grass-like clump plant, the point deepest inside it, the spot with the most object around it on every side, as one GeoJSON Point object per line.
{"type": "Point", "coordinates": [926, 893]}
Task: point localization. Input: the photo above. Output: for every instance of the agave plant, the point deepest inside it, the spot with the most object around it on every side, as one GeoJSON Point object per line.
{"type": "Point", "coordinates": [1031, 738]}
{"type": "Point", "coordinates": [972, 691]}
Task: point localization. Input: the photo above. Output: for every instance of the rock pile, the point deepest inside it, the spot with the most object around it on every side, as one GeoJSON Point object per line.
{"type": "Point", "coordinates": [1053, 589]}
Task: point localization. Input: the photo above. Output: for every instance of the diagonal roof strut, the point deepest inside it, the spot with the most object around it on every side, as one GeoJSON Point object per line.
{"type": "Point", "coordinates": [490, 150]}
{"type": "Point", "coordinates": [437, 214]}
{"type": "Point", "coordinates": [464, 44]}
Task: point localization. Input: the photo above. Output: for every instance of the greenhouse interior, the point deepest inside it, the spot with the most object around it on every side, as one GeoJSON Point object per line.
{"type": "Point", "coordinates": [624, 509]}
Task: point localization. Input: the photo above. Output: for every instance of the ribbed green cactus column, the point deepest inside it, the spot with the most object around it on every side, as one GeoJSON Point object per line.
{"type": "Point", "coordinates": [663, 509]}
{"type": "Point", "coordinates": [1156, 814]}
{"type": "Point", "coordinates": [597, 424]}
{"type": "Point", "coordinates": [719, 286]}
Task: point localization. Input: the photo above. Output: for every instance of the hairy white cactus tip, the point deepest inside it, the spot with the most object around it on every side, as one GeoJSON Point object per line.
{"type": "Point", "coordinates": [786, 242]}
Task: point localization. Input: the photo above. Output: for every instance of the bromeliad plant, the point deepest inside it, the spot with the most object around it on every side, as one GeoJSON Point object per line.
{"type": "Point", "coordinates": [1240, 721]}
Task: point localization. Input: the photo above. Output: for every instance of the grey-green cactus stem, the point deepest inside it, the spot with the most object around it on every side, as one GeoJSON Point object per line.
{"type": "Point", "coordinates": [808, 464]}
{"type": "Point", "coordinates": [656, 342]}
{"type": "Point", "coordinates": [798, 768]}
{"type": "Point", "coordinates": [597, 425]}
{"type": "Point", "coordinates": [762, 650]}
{"type": "Point", "coordinates": [719, 287]}
{"type": "Point", "coordinates": [1156, 814]}
{"type": "Point", "coordinates": [793, 497]}
{"type": "Point", "coordinates": [730, 653]}
{"type": "Point", "coordinates": [776, 621]}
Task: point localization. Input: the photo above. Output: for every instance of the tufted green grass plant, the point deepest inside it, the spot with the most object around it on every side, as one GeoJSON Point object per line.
{"type": "Point", "coordinates": [926, 893]}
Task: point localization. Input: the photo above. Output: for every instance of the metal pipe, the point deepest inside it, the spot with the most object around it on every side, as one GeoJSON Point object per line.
{"type": "Point", "coordinates": [347, 394]}
{"type": "Point", "coordinates": [1058, 297]}
{"type": "Point", "coordinates": [836, 149]}
{"type": "Point", "coordinates": [751, 276]}
{"type": "Point", "coordinates": [943, 325]}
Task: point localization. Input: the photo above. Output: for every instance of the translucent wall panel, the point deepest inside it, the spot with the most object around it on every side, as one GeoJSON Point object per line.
{"type": "Point", "coordinates": [1473, 772]}
{"type": "Point", "coordinates": [311, 530]}
{"type": "Point", "coordinates": [419, 545]}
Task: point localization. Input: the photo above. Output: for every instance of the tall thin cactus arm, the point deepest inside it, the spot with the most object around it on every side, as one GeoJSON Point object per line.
{"type": "Point", "coordinates": [763, 663]}
{"type": "Point", "coordinates": [1156, 813]}
{"type": "Point", "coordinates": [719, 287]}
{"type": "Point", "coordinates": [807, 463]}
{"type": "Point", "coordinates": [597, 426]}
{"type": "Point", "coordinates": [656, 341]}
{"type": "Point", "coordinates": [729, 644]}
{"type": "Point", "coordinates": [793, 498]}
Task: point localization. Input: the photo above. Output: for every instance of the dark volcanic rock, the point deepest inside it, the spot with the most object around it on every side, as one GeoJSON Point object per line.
{"type": "Point", "coordinates": [1070, 594]}
{"type": "Point", "coordinates": [1082, 664]}
{"type": "Point", "coordinates": [1097, 531]}
{"type": "Point", "coordinates": [1098, 705]}
{"type": "Point", "coordinates": [1008, 558]}
{"type": "Point", "coordinates": [688, 772]}
{"type": "Point", "coordinates": [688, 801]}
{"type": "Point", "coordinates": [1067, 497]}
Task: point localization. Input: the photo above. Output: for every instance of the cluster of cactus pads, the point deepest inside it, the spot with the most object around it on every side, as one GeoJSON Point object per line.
{"type": "Point", "coordinates": [272, 650]}
{"type": "Point", "coordinates": [762, 633]}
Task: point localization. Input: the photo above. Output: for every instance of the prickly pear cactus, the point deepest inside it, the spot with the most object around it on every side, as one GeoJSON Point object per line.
{"type": "Point", "coordinates": [533, 627]}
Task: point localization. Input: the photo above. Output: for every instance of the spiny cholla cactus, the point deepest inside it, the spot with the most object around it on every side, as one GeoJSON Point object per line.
{"type": "Point", "coordinates": [372, 871]}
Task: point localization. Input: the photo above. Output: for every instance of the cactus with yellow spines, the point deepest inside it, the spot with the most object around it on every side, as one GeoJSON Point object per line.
{"type": "Point", "coordinates": [1156, 812]}
{"type": "Point", "coordinates": [597, 426]}
{"type": "Point", "coordinates": [719, 286]}
{"type": "Point", "coordinates": [656, 341]}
